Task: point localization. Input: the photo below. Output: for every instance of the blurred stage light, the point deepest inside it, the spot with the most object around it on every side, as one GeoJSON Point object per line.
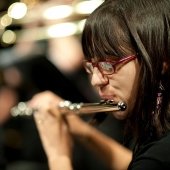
{"type": "Point", "coordinates": [62, 30]}
{"type": "Point", "coordinates": [8, 37]}
{"type": "Point", "coordinates": [87, 7]}
{"type": "Point", "coordinates": [58, 12]}
{"type": "Point", "coordinates": [17, 10]}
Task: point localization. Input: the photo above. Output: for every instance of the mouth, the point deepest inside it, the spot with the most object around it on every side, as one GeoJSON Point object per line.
{"type": "Point", "coordinates": [107, 101]}
{"type": "Point", "coordinates": [111, 100]}
{"type": "Point", "coordinates": [107, 98]}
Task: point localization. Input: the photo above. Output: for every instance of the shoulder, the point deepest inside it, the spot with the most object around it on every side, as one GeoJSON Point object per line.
{"type": "Point", "coordinates": [160, 148]}
{"type": "Point", "coordinates": [154, 155]}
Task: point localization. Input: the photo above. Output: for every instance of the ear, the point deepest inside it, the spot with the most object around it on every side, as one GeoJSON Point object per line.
{"type": "Point", "coordinates": [165, 67]}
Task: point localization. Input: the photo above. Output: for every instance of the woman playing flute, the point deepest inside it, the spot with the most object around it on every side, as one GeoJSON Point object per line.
{"type": "Point", "coordinates": [126, 44]}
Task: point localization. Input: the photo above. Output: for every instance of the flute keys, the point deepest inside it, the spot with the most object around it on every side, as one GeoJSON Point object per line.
{"type": "Point", "coordinates": [66, 106]}
{"type": "Point", "coordinates": [21, 110]}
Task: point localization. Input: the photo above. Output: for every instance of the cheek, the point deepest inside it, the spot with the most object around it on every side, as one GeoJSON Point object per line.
{"type": "Point", "coordinates": [128, 82]}
{"type": "Point", "coordinates": [132, 89]}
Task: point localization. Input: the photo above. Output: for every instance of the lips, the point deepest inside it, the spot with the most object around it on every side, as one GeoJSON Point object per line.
{"type": "Point", "coordinates": [107, 97]}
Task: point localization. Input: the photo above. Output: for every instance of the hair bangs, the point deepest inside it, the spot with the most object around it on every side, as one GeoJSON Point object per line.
{"type": "Point", "coordinates": [105, 35]}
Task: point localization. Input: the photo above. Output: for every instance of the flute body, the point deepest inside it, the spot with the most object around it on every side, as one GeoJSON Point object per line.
{"type": "Point", "coordinates": [66, 108]}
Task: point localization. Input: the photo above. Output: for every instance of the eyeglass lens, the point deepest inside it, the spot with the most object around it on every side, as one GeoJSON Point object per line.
{"type": "Point", "coordinates": [104, 67]}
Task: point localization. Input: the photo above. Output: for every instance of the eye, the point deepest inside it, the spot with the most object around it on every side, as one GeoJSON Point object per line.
{"type": "Point", "coordinates": [106, 66]}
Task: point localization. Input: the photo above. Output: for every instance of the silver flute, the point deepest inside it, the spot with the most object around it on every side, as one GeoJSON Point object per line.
{"type": "Point", "coordinates": [67, 107]}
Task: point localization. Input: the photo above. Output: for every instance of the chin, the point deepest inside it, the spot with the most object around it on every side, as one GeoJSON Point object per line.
{"type": "Point", "coordinates": [120, 115]}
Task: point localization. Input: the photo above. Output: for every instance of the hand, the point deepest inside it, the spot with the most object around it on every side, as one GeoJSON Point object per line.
{"type": "Point", "coordinates": [56, 132]}
{"type": "Point", "coordinates": [46, 100]}
{"type": "Point", "coordinates": [52, 126]}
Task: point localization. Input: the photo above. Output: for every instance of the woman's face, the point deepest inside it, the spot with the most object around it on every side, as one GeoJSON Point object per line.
{"type": "Point", "coordinates": [119, 86]}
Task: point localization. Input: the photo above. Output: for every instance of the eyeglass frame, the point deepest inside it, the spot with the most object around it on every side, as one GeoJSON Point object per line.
{"type": "Point", "coordinates": [121, 60]}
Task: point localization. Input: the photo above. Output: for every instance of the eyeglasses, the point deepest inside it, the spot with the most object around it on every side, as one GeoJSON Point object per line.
{"type": "Point", "coordinates": [106, 67]}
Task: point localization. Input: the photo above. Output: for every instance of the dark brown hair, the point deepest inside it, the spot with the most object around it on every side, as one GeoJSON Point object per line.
{"type": "Point", "coordinates": [122, 27]}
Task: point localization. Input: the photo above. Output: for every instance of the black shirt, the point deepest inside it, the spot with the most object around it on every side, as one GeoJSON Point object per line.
{"type": "Point", "coordinates": [153, 156]}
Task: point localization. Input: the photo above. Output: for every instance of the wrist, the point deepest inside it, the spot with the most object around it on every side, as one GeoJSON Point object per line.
{"type": "Point", "coordinates": [60, 163]}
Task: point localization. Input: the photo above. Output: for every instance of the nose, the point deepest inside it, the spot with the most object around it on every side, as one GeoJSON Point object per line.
{"type": "Point", "coordinates": [98, 79]}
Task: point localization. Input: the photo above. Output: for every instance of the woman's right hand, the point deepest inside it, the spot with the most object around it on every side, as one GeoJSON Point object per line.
{"type": "Point", "coordinates": [47, 100]}
{"type": "Point", "coordinates": [56, 130]}
{"type": "Point", "coordinates": [53, 130]}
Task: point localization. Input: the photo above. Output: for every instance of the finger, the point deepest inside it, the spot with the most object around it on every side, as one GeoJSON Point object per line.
{"type": "Point", "coordinates": [54, 111]}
